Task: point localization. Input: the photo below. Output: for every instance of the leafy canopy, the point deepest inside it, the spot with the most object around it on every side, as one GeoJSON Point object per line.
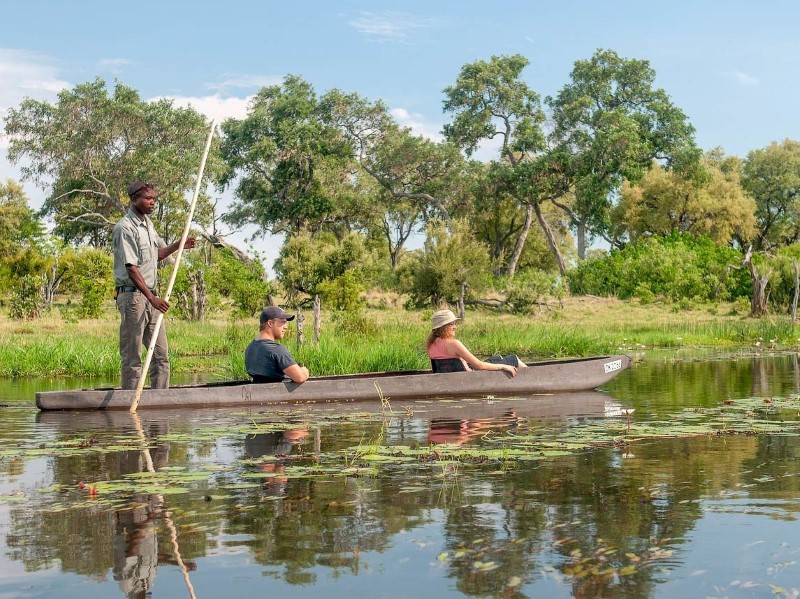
{"type": "Point", "coordinates": [88, 146]}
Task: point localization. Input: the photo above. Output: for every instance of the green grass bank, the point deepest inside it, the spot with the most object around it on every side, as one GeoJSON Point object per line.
{"type": "Point", "coordinates": [392, 339]}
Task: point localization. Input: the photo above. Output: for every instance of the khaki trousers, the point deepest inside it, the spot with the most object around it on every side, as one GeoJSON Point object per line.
{"type": "Point", "coordinates": [136, 327]}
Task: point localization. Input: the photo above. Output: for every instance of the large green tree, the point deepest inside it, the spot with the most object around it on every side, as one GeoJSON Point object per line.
{"type": "Point", "coordinates": [610, 124]}
{"type": "Point", "coordinates": [772, 176]}
{"type": "Point", "coordinates": [290, 162]}
{"type": "Point", "coordinates": [490, 101]}
{"type": "Point", "coordinates": [88, 146]}
{"type": "Point", "coordinates": [417, 178]}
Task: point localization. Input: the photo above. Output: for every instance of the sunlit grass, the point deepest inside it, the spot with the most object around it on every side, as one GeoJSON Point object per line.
{"type": "Point", "coordinates": [387, 340]}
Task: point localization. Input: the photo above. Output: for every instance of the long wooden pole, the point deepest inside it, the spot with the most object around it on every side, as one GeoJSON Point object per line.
{"type": "Point", "coordinates": [160, 319]}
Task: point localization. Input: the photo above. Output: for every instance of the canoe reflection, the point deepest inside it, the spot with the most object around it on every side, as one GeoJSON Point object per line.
{"type": "Point", "coordinates": [561, 405]}
{"type": "Point", "coordinates": [468, 421]}
{"type": "Point", "coordinates": [456, 432]}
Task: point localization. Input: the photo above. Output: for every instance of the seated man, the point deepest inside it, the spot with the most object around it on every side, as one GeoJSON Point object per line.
{"type": "Point", "coordinates": [266, 360]}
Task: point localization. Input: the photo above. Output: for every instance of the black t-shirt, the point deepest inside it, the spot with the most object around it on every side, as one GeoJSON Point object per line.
{"type": "Point", "coordinates": [268, 359]}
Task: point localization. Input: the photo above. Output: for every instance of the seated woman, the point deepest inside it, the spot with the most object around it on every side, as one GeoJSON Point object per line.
{"type": "Point", "coordinates": [443, 345]}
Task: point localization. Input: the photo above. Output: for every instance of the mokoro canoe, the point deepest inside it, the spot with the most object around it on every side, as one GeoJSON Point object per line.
{"type": "Point", "coordinates": [559, 376]}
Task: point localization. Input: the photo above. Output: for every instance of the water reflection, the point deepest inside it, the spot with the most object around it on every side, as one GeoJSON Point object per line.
{"type": "Point", "coordinates": [672, 517]}
{"type": "Point", "coordinates": [279, 444]}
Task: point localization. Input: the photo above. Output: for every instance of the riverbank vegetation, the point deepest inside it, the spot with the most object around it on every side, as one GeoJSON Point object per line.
{"type": "Point", "coordinates": [378, 339]}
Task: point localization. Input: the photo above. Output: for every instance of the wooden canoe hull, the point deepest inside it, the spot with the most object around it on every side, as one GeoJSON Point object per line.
{"type": "Point", "coordinates": [560, 376]}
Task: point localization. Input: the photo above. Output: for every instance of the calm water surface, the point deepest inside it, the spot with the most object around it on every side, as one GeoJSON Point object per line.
{"type": "Point", "coordinates": [294, 504]}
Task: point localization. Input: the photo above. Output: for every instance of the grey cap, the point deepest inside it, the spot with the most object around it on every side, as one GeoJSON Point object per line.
{"type": "Point", "coordinates": [273, 312]}
{"type": "Point", "coordinates": [136, 187]}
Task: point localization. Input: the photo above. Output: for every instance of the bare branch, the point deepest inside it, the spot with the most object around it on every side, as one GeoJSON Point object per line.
{"type": "Point", "coordinates": [84, 218]}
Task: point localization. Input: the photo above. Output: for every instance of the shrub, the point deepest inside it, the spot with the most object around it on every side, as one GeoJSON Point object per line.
{"type": "Point", "coordinates": [450, 258]}
{"type": "Point", "coordinates": [342, 293]}
{"type": "Point", "coordinates": [26, 298]}
{"type": "Point", "coordinates": [675, 267]}
{"type": "Point", "coordinates": [529, 288]}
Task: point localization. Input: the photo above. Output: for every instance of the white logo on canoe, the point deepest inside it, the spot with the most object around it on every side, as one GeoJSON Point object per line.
{"type": "Point", "coordinates": [612, 366]}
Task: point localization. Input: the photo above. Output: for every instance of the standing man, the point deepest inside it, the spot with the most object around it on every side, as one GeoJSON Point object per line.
{"type": "Point", "coordinates": [137, 251]}
{"type": "Point", "coordinates": [268, 361]}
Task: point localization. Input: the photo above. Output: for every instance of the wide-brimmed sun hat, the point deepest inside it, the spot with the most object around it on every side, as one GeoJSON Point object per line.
{"type": "Point", "coordinates": [441, 318]}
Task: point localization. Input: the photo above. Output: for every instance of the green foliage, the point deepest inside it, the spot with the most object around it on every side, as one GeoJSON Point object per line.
{"type": "Point", "coordinates": [26, 299]}
{"type": "Point", "coordinates": [450, 259]}
{"type": "Point", "coordinates": [245, 285]}
{"type": "Point", "coordinates": [487, 96]}
{"type": "Point", "coordinates": [91, 273]}
{"type": "Point", "coordinates": [22, 273]}
{"type": "Point", "coordinates": [342, 293]}
{"type": "Point", "coordinates": [20, 227]}
{"type": "Point", "coordinates": [92, 144]}
{"type": "Point", "coordinates": [530, 287]}
{"type": "Point", "coordinates": [307, 262]}
{"type": "Point", "coordinates": [92, 296]}
{"type": "Point", "coordinates": [290, 159]}
{"type": "Point", "coordinates": [674, 268]}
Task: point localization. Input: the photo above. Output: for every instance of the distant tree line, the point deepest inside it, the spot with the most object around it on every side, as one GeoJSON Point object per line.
{"type": "Point", "coordinates": [608, 159]}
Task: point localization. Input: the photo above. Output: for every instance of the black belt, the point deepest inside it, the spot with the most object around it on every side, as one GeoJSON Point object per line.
{"type": "Point", "coordinates": [132, 289]}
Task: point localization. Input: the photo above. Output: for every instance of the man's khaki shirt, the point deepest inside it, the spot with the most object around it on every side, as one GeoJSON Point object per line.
{"type": "Point", "coordinates": [136, 242]}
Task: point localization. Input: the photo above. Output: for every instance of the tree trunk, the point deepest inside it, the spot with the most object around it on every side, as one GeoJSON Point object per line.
{"type": "Point", "coordinates": [796, 290]}
{"type": "Point", "coordinates": [758, 301]}
{"type": "Point", "coordinates": [523, 235]}
{"type": "Point", "coordinates": [51, 284]}
{"type": "Point", "coordinates": [193, 304]}
{"type": "Point", "coordinates": [317, 319]}
{"type": "Point", "coordinates": [551, 239]}
{"type": "Point", "coordinates": [299, 320]}
{"type": "Point", "coordinates": [581, 234]}
{"type": "Point", "coordinates": [461, 296]}
{"type": "Point", "coordinates": [202, 296]}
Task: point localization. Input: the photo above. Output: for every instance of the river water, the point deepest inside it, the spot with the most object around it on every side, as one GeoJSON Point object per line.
{"type": "Point", "coordinates": [423, 499]}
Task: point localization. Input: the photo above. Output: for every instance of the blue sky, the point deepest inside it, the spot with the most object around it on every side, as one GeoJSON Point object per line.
{"type": "Point", "coordinates": [732, 66]}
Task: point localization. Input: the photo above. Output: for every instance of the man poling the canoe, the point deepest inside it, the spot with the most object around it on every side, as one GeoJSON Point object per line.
{"type": "Point", "coordinates": [156, 328]}
{"type": "Point", "coordinates": [444, 349]}
{"type": "Point", "coordinates": [137, 251]}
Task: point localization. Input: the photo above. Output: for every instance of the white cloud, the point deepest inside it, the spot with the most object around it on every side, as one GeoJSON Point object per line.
{"type": "Point", "coordinates": [389, 26]}
{"type": "Point", "coordinates": [743, 78]}
{"type": "Point", "coordinates": [245, 82]}
{"type": "Point", "coordinates": [215, 106]}
{"type": "Point", "coordinates": [25, 74]}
